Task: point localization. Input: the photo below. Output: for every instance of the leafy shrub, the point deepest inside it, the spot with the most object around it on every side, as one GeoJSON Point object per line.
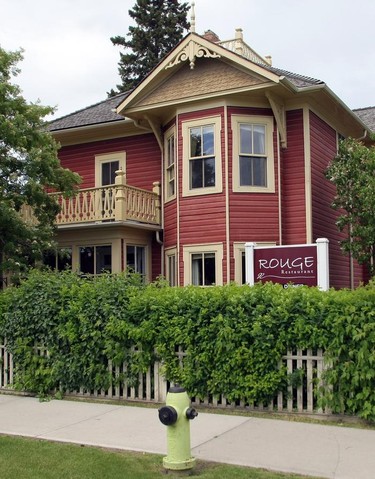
{"type": "Point", "coordinates": [233, 336]}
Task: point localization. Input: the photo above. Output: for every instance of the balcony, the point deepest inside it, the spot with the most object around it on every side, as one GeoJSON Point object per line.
{"type": "Point", "coordinates": [118, 202]}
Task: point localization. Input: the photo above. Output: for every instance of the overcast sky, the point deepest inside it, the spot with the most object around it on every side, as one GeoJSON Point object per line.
{"type": "Point", "coordinates": [70, 62]}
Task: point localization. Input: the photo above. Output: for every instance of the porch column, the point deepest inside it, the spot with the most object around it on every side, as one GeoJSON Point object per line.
{"type": "Point", "coordinates": [120, 203]}
{"type": "Point", "coordinates": [157, 190]}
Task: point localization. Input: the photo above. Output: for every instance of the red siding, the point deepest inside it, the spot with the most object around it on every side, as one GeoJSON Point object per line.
{"type": "Point", "coordinates": [293, 181]}
{"type": "Point", "coordinates": [202, 217]}
{"type": "Point", "coordinates": [323, 149]}
{"type": "Point", "coordinates": [253, 216]}
{"type": "Point", "coordinates": [143, 160]}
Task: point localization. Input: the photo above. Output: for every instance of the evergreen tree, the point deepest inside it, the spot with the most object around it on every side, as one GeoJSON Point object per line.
{"type": "Point", "coordinates": [160, 25]}
{"type": "Point", "coordinates": [28, 166]}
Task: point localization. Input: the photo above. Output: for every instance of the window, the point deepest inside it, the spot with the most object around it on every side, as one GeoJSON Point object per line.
{"type": "Point", "coordinates": [171, 267]}
{"type": "Point", "coordinates": [253, 162]}
{"type": "Point", "coordinates": [106, 167]}
{"type": "Point", "coordinates": [59, 260]}
{"type": "Point", "coordinates": [170, 160]}
{"type": "Point", "coordinates": [203, 269]}
{"type": "Point", "coordinates": [203, 265]}
{"type": "Point", "coordinates": [95, 259]}
{"type": "Point", "coordinates": [136, 259]}
{"type": "Point", "coordinates": [202, 157]}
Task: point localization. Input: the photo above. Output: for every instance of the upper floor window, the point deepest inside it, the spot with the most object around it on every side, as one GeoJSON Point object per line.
{"type": "Point", "coordinates": [253, 162]}
{"type": "Point", "coordinates": [170, 169]}
{"type": "Point", "coordinates": [106, 166]}
{"type": "Point", "coordinates": [202, 157]}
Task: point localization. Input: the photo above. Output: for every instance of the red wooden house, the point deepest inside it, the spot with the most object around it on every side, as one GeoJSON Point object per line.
{"type": "Point", "coordinates": [213, 149]}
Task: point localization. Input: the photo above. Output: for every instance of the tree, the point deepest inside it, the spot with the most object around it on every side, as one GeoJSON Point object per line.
{"type": "Point", "coordinates": [29, 166]}
{"type": "Point", "coordinates": [160, 26]}
{"type": "Point", "coordinates": [352, 171]}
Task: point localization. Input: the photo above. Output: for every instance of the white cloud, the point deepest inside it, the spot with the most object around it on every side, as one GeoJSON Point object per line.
{"type": "Point", "coordinates": [70, 61]}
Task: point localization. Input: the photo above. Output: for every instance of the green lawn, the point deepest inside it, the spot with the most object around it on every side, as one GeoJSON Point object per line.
{"type": "Point", "coordinates": [22, 458]}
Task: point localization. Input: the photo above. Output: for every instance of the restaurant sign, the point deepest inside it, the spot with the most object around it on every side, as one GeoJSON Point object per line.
{"type": "Point", "coordinates": [291, 266]}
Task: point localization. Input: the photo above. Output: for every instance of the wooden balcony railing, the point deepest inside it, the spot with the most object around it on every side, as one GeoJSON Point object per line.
{"type": "Point", "coordinates": [118, 202]}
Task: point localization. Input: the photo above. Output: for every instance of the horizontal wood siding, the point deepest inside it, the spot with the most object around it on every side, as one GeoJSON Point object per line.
{"type": "Point", "coordinates": [143, 159]}
{"type": "Point", "coordinates": [253, 216]}
{"type": "Point", "coordinates": [293, 181]}
{"type": "Point", "coordinates": [170, 224]}
{"type": "Point", "coordinates": [323, 142]}
{"type": "Point", "coordinates": [202, 218]}
{"type": "Point", "coordinates": [156, 260]}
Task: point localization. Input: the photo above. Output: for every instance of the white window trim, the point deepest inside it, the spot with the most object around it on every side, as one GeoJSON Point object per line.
{"type": "Point", "coordinates": [216, 248]}
{"type": "Point", "coordinates": [218, 188]}
{"type": "Point", "coordinates": [119, 156]}
{"type": "Point", "coordinates": [168, 254]}
{"type": "Point", "coordinates": [268, 122]}
{"type": "Point", "coordinates": [238, 249]}
{"type": "Point", "coordinates": [169, 133]}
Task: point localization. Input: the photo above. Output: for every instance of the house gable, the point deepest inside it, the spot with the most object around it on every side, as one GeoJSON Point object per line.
{"type": "Point", "coordinates": [191, 61]}
{"type": "Point", "coordinates": [209, 77]}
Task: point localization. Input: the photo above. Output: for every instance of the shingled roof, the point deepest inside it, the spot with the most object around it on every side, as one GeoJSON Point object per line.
{"type": "Point", "coordinates": [102, 112]}
{"type": "Point", "coordinates": [367, 115]}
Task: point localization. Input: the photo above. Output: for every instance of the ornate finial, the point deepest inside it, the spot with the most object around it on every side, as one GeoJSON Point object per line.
{"type": "Point", "coordinates": [192, 18]}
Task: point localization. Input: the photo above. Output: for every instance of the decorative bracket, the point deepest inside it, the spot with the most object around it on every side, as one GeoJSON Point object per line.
{"type": "Point", "coordinates": [192, 51]}
{"type": "Point", "coordinates": [278, 110]}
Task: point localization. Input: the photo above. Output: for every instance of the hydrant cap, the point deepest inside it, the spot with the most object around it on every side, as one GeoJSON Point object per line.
{"type": "Point", "coordinates": [168, 415]}
{"type": "Point", "coordinates": [176, 389]}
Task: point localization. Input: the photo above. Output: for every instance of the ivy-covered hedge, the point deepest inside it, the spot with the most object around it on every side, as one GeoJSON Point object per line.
{"type": "Point", "coordinates": [234, 336]}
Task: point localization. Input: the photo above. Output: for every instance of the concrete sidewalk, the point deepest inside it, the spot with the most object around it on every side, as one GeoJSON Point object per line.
{"type": "Point", "coordinates": [311, 449]}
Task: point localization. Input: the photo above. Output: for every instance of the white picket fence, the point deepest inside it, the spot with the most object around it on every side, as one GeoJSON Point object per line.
{"type": "Point", "coordinates": [152, 386]}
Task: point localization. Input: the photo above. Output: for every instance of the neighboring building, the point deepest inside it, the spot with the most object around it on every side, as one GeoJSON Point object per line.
{"type": "Point", "coordinates": [213, 149]}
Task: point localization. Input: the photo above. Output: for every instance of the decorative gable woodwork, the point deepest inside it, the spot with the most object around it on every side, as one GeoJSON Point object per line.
{"type": "Point", "coordinates": [208, 77]}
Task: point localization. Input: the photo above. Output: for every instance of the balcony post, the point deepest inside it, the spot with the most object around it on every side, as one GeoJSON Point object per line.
{"type": "Point", "coordinates": [120, 204]}
{"type": "Point", "coordinates": [157, 190]}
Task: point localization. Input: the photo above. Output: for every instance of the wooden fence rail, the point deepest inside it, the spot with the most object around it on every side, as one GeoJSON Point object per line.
{"type": "Point", "coordinates": [306, 366]}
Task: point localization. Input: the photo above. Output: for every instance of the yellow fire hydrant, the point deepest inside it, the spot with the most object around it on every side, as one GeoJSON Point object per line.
{"type": "Point", "coordinates": [176, 415]}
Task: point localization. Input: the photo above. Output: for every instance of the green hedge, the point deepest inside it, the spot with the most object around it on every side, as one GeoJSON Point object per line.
{"type": "Point", "coordinates": [234, 336]}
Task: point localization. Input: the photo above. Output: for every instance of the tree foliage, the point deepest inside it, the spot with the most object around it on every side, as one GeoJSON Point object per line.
{"type": "Point", "coordinates": [159, 27]}
{"type": "Point", "coordinates": [352, 172]}
{"type": "Point", "coordinates": [28, 165]}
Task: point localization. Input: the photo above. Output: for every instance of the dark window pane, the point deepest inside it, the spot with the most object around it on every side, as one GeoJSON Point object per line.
{"type": "Point", "coordinates": [195, 142]}
{"type": "Point", "coordinates": [196, 173]}
{"type": "Point", "coordinates": [130, 257]}
{"type": "Point", "coordinates": [103, 259]}
{"type": "Point", "coordinates": [64, 259]}
{"type": "Point", "coordinates": [209, 172]}
{"type": "Point", "coordinates": [209, 269]}
{"type": "Point", "coordinates": [87, 260]}
{"type": "Point", "coordinates": [109, 172]}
